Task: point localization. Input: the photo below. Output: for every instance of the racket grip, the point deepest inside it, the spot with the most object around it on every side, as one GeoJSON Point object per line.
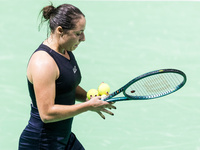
{"type": "Point", "coordinates": [116, 99]}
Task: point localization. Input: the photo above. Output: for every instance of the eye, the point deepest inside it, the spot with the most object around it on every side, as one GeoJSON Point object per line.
{"type": "Point", "coordinates": [78, 34]}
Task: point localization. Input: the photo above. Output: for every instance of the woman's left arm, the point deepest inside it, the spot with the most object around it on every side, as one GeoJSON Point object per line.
{"type": "Point", "coordinates": [81, 94]}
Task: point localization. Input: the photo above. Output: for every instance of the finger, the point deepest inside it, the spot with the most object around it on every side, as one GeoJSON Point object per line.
{"type": "Point", "coordinates": [108, 112]}
{"type": "Point", "coordinates": [99, 97]}
{"type": "Point", "coordinates": [111, 102]}
{"type": "Point", "coordinates": [111, 106]}
{"type": "Point", "coordinates": [102, 116]}
{"type": "Point", "coordinates": [96, 98]}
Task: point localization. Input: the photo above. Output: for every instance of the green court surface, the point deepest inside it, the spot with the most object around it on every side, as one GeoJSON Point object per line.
{"type": "Point", "coordinates": [123, 40]}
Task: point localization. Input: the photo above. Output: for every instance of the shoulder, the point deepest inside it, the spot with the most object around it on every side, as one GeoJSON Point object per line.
{"type": "Point", "coordinates": [41, 59]}
{"type": "Point", "coordinates": [42, 64]}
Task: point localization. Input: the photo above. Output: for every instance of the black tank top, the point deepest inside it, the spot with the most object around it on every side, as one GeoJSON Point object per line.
{"type": "Point", "coordinates": [66, 84]}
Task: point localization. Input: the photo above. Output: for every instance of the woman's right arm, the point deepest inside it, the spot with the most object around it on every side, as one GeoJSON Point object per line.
{"type": "Point", "coordinates": [42, 72]}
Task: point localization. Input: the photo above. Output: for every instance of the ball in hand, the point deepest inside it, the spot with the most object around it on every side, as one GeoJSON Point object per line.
{"type": "Point", "coordinates": [103, 96]}
{"type": "Point", "coordinates": [92, 93]}
{"type": "Point", "coordinates": [104, 89]}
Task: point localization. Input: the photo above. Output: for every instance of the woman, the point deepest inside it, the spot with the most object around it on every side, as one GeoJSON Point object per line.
{"type": "Point", "coordinates": [53, 81]}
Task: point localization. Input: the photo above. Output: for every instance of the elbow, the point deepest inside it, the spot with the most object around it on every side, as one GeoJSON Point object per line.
{"type": "Point", "coordinates": [46, 119]}
{"type": "Point", "coordinates": [47, 116]}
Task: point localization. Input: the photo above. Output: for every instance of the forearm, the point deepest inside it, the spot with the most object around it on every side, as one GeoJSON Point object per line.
{"type": "Point", "coordinates": [62, 112]}
{"type": "Point", "coordinates": [54, 112]}
{"type": "Point", "coordinates": [81, 94]}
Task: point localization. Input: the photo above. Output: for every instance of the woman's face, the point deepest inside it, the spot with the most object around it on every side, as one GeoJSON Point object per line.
{"type": "Point", "coordinates": [72, 38]}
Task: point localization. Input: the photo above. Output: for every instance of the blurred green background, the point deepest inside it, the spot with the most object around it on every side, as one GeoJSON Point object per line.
{"type": "Point", "coordinates": [123, 40]}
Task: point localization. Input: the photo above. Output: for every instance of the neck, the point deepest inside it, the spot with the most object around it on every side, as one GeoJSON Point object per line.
{"type": "Point", "coordinates": [54, 47]}
{"type": "Point", "coordinates": [54, 44]}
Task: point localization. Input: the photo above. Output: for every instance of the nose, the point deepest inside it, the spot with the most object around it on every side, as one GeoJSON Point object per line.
{"type": "Point", "coordinates": [82, 37]}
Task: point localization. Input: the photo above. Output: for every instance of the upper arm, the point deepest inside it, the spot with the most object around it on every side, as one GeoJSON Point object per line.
{"type": "Point", "coordinates": [42, 72]}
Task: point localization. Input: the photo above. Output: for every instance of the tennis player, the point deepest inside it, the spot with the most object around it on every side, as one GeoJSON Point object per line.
{"type": "Point", "coordinates": [53, 79]}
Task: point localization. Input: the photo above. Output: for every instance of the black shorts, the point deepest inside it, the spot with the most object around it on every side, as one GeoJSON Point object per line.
{"type": "Point", "coordinates": [33, 141]}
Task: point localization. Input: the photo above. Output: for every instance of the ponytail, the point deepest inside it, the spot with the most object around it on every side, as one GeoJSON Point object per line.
{"type": "Point", "coordinates": [65, 15]}
{"type": "Point", "coordinates": [48, 11]}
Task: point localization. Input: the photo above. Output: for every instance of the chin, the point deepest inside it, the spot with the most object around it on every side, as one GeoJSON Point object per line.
{"type": "Point", "coordinates": [74, 48]}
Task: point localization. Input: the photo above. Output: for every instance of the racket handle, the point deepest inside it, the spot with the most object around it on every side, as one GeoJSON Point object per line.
{"type": "Point", "coordinates": [116, 99]}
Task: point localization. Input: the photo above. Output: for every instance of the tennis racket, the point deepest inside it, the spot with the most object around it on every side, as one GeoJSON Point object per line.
{"type": "Point", "coordinates": [150, 85]}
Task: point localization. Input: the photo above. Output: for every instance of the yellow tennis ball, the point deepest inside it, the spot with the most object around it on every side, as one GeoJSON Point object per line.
{"type": "Point", "coordinates": [104, 89]}
{"type": "Point", "coordinates": [92, 93]}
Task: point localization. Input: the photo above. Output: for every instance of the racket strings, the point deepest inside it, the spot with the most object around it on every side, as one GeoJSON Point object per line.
{"type": "Point", "coordinates": [155, 85]}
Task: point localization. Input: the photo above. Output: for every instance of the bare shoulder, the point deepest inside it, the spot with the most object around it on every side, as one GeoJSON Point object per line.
{"type": "Point", "coordinates": [41, 58]}
{"type": "Point", "coordinates": [42, 64]}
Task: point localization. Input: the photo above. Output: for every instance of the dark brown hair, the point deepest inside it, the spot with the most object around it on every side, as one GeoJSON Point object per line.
{"type": "Point", "coordinates": [65, 15]}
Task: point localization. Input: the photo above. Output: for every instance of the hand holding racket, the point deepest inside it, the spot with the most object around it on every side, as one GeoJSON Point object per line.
{"type": "Point", "coordinates": [150, 85]}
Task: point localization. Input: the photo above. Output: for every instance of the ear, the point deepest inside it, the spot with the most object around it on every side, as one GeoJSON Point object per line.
{"type": "Point", "coordinates": [60, 30]}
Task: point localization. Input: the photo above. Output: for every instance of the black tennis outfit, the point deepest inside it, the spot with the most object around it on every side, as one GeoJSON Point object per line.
{"type": "Point", "coordinates": [57, 135]}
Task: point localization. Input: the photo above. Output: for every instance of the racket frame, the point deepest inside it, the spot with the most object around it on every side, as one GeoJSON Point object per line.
{"type": "Point", "coordinates": [110, 98]}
